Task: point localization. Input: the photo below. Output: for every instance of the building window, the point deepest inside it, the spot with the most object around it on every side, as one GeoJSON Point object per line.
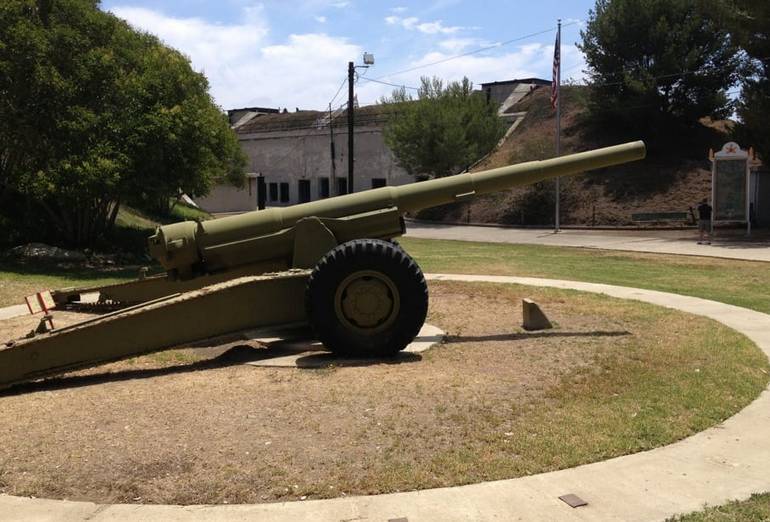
{"type": "Point", "coordinates": [342, 186]}
{"type": "Point", "coordinates": [273, 191]}
{"type": "Point", "coordinates": [304, 190]}
{"type": "Point", "coordinates": [379, 182]}
{"type": "Point", "coordinates": [323, 187]}
{"type": "Point", "coordinates": [284, 192]}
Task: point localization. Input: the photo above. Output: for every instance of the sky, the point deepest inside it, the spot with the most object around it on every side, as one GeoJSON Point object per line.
{"type": "Point", "coordinates": [294, 53]}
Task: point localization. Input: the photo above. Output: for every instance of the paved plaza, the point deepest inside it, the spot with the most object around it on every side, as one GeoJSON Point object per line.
{"type": "Point", "coordinates": [731, 244]}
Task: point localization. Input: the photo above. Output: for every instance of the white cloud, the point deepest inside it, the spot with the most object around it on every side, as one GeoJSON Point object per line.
{"type": "Point", "coordinates": [197, 38]}
{"type": "Point", "coordinates": [399, 9]}
{"type": "Point", "coordinates": [577, 21]}
{"type": "Point", "coordinates": [320, 19]}
{"type": "Point", "coordinates": [436, 27]}
{"type": "Point", "coordinates": [244, 67]}
{"type": "Point", "coordinates": [531, 60]}
{"type": "Point", "coordinates": [459, 45]}
{"type": "Point", "coordinates": [413, 23]}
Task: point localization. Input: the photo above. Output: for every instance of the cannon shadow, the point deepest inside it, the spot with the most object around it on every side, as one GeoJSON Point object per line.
{"type": "Point", "coordinates": [234, 356]}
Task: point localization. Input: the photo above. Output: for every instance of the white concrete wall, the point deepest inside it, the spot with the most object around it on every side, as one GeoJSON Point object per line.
{"type": "Point", "coordinates": [226, 198]}
{"type": "Point", "coordinates": [288, 156]}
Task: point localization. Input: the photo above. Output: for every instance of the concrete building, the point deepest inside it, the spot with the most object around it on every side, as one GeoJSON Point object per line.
{"type": "Point", "coordinates": [507, 93]}
{"type": "Point", "coordinates": [225, 199]}
{"type": "Point", "coordinates": [303, 158]}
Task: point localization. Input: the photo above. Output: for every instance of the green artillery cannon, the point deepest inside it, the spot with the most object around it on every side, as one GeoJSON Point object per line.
{"type": "Point", "coordinates": [329, 263]}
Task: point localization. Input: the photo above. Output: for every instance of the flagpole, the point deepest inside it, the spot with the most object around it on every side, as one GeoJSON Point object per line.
{"type": "Point", "coordinates": [558, 121]}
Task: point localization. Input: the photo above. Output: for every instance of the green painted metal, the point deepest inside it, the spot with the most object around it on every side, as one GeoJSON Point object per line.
{"type": "Point", "coordinates": [240, 304]}
{"type": "Point", "coordinates": [300, 246]}
{"type": "Point", "coordinates": [156, 286]}
{"type": "Point", "coordinates": [186, 249]}
{"type": "Point", "coordinates": [206, 263]}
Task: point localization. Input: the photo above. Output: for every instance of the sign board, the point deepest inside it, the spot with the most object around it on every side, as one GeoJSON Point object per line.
{"type": "Point", "coordinates": [730, 184]}
{"type": "Point", "coordinates": [40, 302]}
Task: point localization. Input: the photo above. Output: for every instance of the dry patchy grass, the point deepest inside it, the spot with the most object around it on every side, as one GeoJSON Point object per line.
{"type": "Point", "coordinates": [17, 281]}
{"type": "Point", "coordinates": [755, 509]}
{"type": "Point", "coordinates": [493, 402]}
{"type": "Point", "coordinates": [742, 283]}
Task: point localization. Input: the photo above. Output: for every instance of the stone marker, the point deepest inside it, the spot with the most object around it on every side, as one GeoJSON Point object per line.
{"type": "Point", "coordinates": [533, 316]}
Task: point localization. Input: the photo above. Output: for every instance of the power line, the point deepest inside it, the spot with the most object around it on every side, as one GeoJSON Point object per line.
{"type": "Point", "coordinates": [338, 90]}
{"type": "Point", "coordinates": [475, 51]}
{"type": "Point", "coordinates": [391, 84]}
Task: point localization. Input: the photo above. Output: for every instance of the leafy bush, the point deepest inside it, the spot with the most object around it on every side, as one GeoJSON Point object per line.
{"type": "Point", "coordinates": [94, 113]}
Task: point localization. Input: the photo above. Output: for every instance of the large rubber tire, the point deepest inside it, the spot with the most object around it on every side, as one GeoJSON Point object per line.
{"type": "Point", "coordinates": [366, 298]}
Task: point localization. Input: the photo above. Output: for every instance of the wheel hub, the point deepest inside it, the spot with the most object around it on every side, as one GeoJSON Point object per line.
{"type": "Point", "coordinates": [367, 301]}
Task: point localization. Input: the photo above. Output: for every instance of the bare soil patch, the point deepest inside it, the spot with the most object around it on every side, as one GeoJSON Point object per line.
{"type": "Point", "coordinates": [664, 182]}
{"type": "Point", "coordinates": [492, 402]}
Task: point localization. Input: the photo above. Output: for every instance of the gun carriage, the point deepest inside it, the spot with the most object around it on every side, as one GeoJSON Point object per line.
{"type": "Point", "coordinates": [330, 263]}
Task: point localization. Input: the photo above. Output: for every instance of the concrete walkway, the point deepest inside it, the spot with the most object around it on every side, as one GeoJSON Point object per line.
{"type": "Point", "coordinates": [12, 311]}
{"type": "Point", "coordinates": [682, 242]}
{"type": "Point", "coordinates": [729, 461]}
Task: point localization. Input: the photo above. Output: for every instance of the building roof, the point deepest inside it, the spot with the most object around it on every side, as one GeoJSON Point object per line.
{"type": "Point", "coordinates": [265, 110]}
{"type": "Point", "coordinates": [536, 81]}
{"type": "Point", "coordinates": [368, 115]}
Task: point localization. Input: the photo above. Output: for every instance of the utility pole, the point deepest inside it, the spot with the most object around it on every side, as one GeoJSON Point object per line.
{"type": "Point", "coordinates": [351, 120]}
{"type": "Point", "coordinates": [368, 61]}
{"type": "Point", "coordinates": [333, 183]}
{"type": "Point", "coordinates": [557, 79]}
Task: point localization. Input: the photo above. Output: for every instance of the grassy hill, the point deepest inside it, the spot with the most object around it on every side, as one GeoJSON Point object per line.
{"type": "Point", "coordinates": [133, 227]}
{"type": "Point", "coordinates": [667, 181]}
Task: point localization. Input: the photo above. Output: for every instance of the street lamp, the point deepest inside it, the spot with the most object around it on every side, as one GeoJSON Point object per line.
{"type": "Point", "coordinates": [368, 60]}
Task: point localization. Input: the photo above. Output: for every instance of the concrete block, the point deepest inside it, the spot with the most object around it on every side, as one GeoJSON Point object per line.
{"type": "Point", "coordinates": [533, 316]}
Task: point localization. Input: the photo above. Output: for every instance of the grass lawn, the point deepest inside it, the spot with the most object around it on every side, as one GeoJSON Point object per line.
{"type": "Point", "coordinates": [17, 281]}
{"type": "Point", "coordinates": [133, 218]}
{"type": "Point", "coordinates": [742, 283]}
{"type": "Point", "coordinates": [589, 398]}
{"type": "Point", "coordinates": [493, 402]}
{"type": "Point", "coordinates": [755, 509]}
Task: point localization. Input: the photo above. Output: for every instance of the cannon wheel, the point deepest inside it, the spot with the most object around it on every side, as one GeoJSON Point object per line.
{"type": "Point", "coordinates": [366, 297]}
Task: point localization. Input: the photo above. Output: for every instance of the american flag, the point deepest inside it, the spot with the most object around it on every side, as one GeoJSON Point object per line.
{"type": "Point", "coordinates": [556, 66]}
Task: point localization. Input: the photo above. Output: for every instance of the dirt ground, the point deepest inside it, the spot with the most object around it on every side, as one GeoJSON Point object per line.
{"type": "Point", "coordinates": [179, 427]}
{"type": "Point", "coordinates": [608, 197]}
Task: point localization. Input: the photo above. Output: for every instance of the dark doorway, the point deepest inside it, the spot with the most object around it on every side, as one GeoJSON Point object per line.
{"type": "Point", "coordinates": [323, 188]}
{"type": "Point", "coordinates": [304, 190]}
{"type": "Point", "coordinates": [342, 186]}
{"type": "Point", "coordinates": [261, 192]}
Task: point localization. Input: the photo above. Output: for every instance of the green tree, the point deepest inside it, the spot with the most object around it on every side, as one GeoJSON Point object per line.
{"type": "Point", "coordinates": [444, 130]}
{"type": "Point", "coordinates": [749, 22]}
{"type": "Point", "coordinates": [180, 141]}
{"type": "Point", "coordinates": [87, 104]}
{"type": "Point", "coordinates": [657, 66]}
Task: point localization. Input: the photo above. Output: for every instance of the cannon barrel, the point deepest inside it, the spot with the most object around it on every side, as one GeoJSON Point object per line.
{"type": "Point", "coordinates": [182, 245]}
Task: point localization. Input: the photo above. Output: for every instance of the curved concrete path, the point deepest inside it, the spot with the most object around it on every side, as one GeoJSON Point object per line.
{"type": "Point", "coordinates": [681, 242]}
{"type": "Point", "coordinates": [729, 461]}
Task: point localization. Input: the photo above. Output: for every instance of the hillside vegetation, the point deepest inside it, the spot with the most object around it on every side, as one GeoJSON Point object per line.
{"type": "Point", "coordinates": [671, 180]}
